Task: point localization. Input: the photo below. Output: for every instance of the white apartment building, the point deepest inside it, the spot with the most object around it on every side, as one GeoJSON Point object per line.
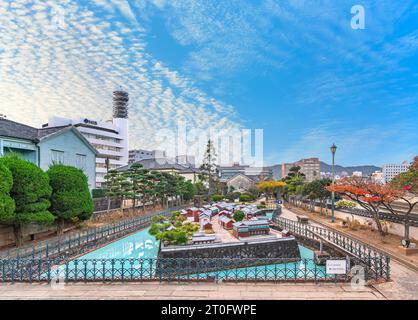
{"type": "Point", "coordinates": [110, 138]}
{"type": "Point", "coordinates": [136, 155]}
{"type": "Point", "coordinates": [390, 171]}
{"type": "Point", "coordinates": [378, 177]}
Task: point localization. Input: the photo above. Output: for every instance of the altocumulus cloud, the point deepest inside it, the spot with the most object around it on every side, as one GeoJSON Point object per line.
{"type": "Point", "coordinates": [65, 58]}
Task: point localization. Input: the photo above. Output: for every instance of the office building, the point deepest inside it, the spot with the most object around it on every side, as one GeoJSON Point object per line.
{"type": "Point", "coordinates": [390, 171]}
{"type": "Point", "coordinates": [109, 138]}
{"type": "Point", "coordinates": [310, 167]}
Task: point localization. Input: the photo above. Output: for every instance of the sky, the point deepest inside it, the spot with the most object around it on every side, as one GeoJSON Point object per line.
{"type": "Point", "coordinates": [295, 68]}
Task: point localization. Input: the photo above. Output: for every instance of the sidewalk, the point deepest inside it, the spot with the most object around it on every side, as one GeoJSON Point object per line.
{"type": "Point", "coordinates": [390, 246]}
{"type": "Point", "coordinates": [404, 279]}
{"type": "Point", "coordinates": [196, 291]}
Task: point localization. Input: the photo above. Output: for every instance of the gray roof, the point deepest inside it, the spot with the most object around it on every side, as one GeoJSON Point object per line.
{"type": "Point", "coordinates": [160, 164]}
{"type": "Point", "coordinates": [14, 129]}
{"type": "Point", "coordinates": [247, 223]}
{"type": "Point", "coordinates": [224, 219]}
{"type": "Point", "coordinates": [18, 130]}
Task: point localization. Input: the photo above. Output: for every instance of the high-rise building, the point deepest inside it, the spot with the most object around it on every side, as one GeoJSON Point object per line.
{"type": "Point", "coordinates": [310, 167]}
{"type": "Point", "coordinates": [391, 170]}
{"type": "Point", "coordinates": [110, 138]}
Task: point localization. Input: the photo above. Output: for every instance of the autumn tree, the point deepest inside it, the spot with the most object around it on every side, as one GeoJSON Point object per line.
{"type": "Point", "coordinates": [369, 195]}
{"type": "Point", "coordinates": [407, 185]}
{"type": "Point", "coordinates": [269, 187]}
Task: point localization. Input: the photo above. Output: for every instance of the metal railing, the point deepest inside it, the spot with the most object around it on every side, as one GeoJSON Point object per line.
{"type": "Point", "coordinates": [74, 244]}
{"type": "Point", "coordinates": [376, 260]}
{"type": "Point", "coordinates": [192, 269]}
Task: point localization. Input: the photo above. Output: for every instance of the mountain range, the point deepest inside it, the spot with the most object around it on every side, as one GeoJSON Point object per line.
{"type": "Point", "coordinates": [365, 169]}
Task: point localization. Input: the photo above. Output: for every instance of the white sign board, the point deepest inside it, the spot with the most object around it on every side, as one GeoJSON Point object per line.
{"type": "Point", "coordinates": [336, 267]}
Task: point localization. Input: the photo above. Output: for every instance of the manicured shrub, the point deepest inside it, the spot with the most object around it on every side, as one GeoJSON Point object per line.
{"type": "Point", "coordinates": [30, 191]}
{"type": "Point", "coordinates": [98, 193]}
{"type": "Point", "coordinates": [345, 204]}
{"type": "Point", "coordinates": [217, 197]}
{"type": "Point", "coordinates": [71, 199]}
{"type": "Point", "coordinates": [245, 198]}
{"type": "Point", "coordinates": [7, 204]}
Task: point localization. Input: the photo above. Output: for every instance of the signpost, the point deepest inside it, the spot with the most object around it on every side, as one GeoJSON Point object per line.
{"type": "Point", "coordinates": [279, 201]}
{"type": "Point", "coordinates": [336, 266]}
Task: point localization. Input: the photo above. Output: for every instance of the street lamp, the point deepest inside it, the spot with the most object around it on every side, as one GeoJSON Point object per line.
{"type": "Point", "coordinates": [333, 151]}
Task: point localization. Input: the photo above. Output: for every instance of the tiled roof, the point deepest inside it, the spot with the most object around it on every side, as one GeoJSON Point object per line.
{"type": "Point", "coordinates": [13, 129]}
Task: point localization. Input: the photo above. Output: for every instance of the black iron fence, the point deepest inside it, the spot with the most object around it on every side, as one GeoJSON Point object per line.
{"type": "Point", "coordinates": [80, 242]}
{"type": "Point", "coordinates": [376, 261]}
{"type": "Point", "coordinates": [192, 269]}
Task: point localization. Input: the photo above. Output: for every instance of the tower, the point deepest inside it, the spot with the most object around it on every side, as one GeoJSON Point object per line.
{"type": "Point", "coordinates": [120, 119]}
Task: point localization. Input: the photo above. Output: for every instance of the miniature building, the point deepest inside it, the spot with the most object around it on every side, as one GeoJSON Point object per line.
{"type": "Point", "coordinates": [249, 228]}
{"type": "Point", "coordinates": [191, 211]}
{"type": "Point", "coordinates": [199, 238]}
{"type": "Point", "coordinates": [225, 213]}
{"type": "Point", "coordinates": [205, 224]}
{"type": "Point", "coordinates": [214, 210]}
{"type": "Point", "coordinates": [226, 222]}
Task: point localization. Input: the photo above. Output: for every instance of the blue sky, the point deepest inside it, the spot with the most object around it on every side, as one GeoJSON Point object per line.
{"type": "Point", "coordinates": [293, 68]}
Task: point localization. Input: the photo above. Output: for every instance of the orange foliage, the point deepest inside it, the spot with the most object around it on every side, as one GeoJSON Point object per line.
{"type": "Point", "coordinates": [366, 190]}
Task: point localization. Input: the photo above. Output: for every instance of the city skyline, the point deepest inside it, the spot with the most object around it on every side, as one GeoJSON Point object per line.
{"type": "Point", "coordinates": [295, 69]}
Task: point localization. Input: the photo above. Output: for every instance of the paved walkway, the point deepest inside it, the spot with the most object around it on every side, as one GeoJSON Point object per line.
{"type": "Point", "coordinates": [404, 284]}
{"type": "Point", "coordinates": [197, 291]}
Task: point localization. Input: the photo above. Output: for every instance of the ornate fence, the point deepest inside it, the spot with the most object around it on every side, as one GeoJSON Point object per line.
{"type": "Point", "coordinates": [83, 241]}
{"type": "Point", "coordinates": [377, 262]}
{"type": "Point", "coordinates": [193, 269]}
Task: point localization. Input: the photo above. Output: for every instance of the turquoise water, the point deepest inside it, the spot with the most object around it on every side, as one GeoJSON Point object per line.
{"type": "Point", "coordinates": [135, 257]}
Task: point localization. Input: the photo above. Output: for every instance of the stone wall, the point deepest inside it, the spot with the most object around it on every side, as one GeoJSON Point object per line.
{"type": "Point", "coordinates": [218, 256]}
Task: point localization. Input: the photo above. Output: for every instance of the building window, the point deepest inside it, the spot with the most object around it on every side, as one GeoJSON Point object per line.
{"type": "Point", "coordinates": [81, 161]}
{"type": "Point", "coordinates": [57, 156]}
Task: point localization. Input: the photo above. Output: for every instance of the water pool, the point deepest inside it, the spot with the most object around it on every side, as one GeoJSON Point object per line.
{"type": "Point", "coordinates": [135, 257]}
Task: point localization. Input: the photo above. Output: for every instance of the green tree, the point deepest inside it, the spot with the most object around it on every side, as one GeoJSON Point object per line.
{"type": "Point", "coordinates": [113, 186]}
{"type": "Point", "coordinates": [209, 167]}
{"type": "Point", "coordinates": [31, 192]}
{"type": "Point", "coordinates": [138, 177]}
{"type": "Point", "coordinates": [239, 215]}
{"type": "Point", "coordinates": [7, 204]}
{"type": "Point", "coordinates": [71, 199]}
{"type": "Point", "coordinates": [317, 190]}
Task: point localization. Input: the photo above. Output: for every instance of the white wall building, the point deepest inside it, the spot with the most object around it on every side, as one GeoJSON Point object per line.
{"type": "Point", "coordinates": [378, 177]}
{"type": "Point", "coordinates": [357, 174]}
{"type": "Point", "coordinates": [110, 138]}
{"type": "Point", "coordinates": [390, 171]}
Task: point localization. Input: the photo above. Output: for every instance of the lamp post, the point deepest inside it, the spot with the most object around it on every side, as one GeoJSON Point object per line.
{"type": "Point", "coordinates": [333, 151]}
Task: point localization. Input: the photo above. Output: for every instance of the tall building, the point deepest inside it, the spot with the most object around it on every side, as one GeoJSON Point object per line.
{"type": "Point", "coordinates": [391, 170]}
{"type": "Point", "coordinates": [311, 167]}
{"type": "Point", "coordinates": [110, 138]}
